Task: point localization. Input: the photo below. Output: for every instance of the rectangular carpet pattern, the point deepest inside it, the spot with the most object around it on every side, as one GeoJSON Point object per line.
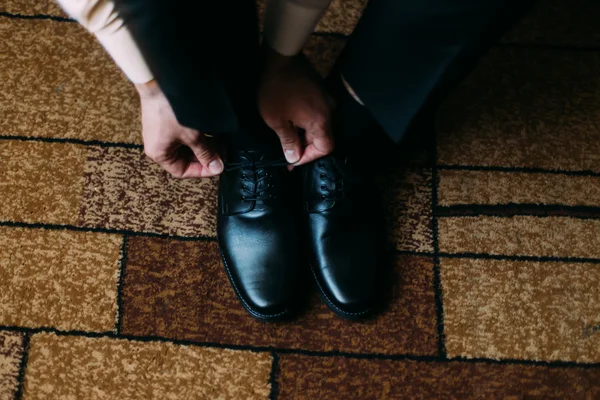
{"type": "Point", "coordinates": [111, 282]}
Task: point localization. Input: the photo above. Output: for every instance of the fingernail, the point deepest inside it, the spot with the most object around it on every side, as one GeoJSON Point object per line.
{"type": "Point", "coordinates": [291, 156]}
{"type": "Point", "coordinates": [215, 166]}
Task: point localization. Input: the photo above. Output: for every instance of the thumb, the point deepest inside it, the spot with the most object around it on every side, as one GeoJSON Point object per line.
{"type": "Point", "coordinates": [290, 142]}
{"type": "Point", "coordinates": [212, 164]}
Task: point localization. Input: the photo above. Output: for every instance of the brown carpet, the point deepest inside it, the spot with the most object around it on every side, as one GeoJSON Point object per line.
{"type": "Point", "coordinates": [111, 285]}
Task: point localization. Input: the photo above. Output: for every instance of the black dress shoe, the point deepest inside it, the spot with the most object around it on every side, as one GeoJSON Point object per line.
{"type": "Point", "coordinates": [345, 235]}
{"type": "Point", "coordinates": [257, 234]}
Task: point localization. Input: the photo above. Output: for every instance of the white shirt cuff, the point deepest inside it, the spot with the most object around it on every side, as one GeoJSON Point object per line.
{"type": "Point", "coordinates": [123, 49]}
{"type": "Point", "coordinates": [289, 23]}
{"type": "Point", "coordinates": [101, 18]}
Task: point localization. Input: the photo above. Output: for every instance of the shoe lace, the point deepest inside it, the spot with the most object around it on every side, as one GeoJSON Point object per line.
{"type": "Point", "coordinates": [342, 181]}
{"type": "Point", "coordinates": [253, 174]}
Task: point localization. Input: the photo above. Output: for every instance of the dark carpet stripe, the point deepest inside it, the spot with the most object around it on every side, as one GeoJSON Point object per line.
{"type": "Point", "coordinates": [279, 351]}
{"type": "Point", "coordinates": [213, 239]}
{"type": "Point", "coordinates": [22, 367]}
{"type": "Point", "coordinates": [274, 394]}
{"type": "Point", "coordinates": [521, 258]}
{"type": "Point", "coordinates": [386, 163]}
{"type": "Point", "coordinates": [122, 264]}
{"type": "Point", "coordinates": [512, 209]}
{"type": "Point", "coordinates": [35, 225]}
{"type": "Point", "coordinates": [104, 230]}
{"type": "Point", "coordinates": [73, 141]}
{"type": "Point", "coordinates": [517, 169]}
{"type": "Point", "coordinates": [36, 16]}
{"type": "Point", "coordinates": [437, 279]}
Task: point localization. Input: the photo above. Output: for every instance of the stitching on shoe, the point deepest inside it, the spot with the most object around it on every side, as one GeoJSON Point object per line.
{"type": "Point", "coordinates": [246, 306]}
{"type": "Point", "coordinates": [368, 310]}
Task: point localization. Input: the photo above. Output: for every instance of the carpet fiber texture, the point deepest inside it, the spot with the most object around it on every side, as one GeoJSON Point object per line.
{"type": "Point", "coordinates": [111, 284]}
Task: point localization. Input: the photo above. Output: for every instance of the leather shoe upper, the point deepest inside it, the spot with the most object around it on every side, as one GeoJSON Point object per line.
{"type": "Point", "coordinates": [344, 235]}
{"type": "Point", "coordinates": [257, 235]}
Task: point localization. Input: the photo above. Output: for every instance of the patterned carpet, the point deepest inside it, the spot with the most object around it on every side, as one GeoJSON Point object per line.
{"type": "Point", "coordinates": [111, 285]}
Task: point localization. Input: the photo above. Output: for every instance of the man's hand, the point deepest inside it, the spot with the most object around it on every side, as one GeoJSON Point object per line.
{"type": "Point", "coordinates": [290, 96]}
{"type": "Point", "coordinates": [181, 151]}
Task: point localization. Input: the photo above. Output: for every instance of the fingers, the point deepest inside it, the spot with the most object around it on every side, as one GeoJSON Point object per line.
{"type": "Point", "coordinates": [182, 151]}
{"type": "Point", "coordinates": [311, 153]}
{"type": "Point", "coordinates": [290, 142]}
{"type": "Point", "coordinates": [167, 158]}
{"type": "Point", "coordinates": [210, 164]}
{"type": "Point", "coordinates": [188, 157]}
{"type": "Point", "coordinates": [320, 142]}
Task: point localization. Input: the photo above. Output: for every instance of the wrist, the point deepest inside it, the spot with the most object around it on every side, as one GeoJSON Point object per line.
{"type": "Point", "coordinates": [274, 60]}
{"type": "Point", "coordinates": [148, 89]}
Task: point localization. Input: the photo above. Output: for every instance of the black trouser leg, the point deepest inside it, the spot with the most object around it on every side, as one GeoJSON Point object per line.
{"type": "Point", "coordinates": [406, 54]}
{"type": "Point", "coordinates": [205, 57]}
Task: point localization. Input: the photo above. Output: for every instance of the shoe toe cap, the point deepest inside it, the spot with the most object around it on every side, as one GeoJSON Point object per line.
{"type": "Point", "coordinates": [262, 265]}
{"type": "Point", "coordinates": [266, 291]}
{"type": "Point", "coordinates": [270, 304]}
{"type": "Point", "coordinates": [348, 296]}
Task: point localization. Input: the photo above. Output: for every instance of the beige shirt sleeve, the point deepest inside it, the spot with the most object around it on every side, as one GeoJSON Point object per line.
{"type": "Point", "coordinates": [100, 18]}
{"type": "Point", "coordinates": [289, 23]}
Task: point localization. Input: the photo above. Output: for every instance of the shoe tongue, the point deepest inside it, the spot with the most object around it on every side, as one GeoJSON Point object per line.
{"type": "Point", "coordinates": [340, 160]}
{"type": "Point", "coordinates": [348, 166]}
{"type": "Point", "coordinates": [256, 155]}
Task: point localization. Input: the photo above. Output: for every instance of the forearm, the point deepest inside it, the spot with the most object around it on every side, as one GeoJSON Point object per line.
{"type": "Point", "coordinates": [289, 23]}
{"type": "Point", "coordinates": [101, 19]}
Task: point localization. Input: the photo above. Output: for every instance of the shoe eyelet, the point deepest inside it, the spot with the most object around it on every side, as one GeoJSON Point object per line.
{"type": "Point", "coordinates": [322, 197]}
{"type": "Point", "coordinates": [322, 176]}
{"type": "Point", "coordinates": [243, 198]}
{"type": "Point", "coordinates": [320, 165]}
{"type": "Point", "coordinates": [323, 187]}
